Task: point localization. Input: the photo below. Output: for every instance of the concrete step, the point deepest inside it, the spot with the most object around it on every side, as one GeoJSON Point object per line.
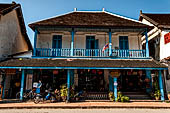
{"type": "Point", "coordinates": [96, 96]}
{"type": "Point", "coordinates": [137, 95]}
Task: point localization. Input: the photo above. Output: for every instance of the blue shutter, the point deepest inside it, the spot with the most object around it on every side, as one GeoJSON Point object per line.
{"type": "Point", "coordinates": [57, 45]}
{"type": "Point", "coordinates": [123, 42]}
{"type": "Point", "coordinates": [123, 45]}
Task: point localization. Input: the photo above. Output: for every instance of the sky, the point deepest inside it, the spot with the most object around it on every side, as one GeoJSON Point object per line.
{"type": "Point", "coordinates": [35, 10]}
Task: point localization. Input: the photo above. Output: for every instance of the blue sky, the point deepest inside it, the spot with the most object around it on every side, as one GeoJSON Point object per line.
{"type": "Point", "coordinates": [34, 10]}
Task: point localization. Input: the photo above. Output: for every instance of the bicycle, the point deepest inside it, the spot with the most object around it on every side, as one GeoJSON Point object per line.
{"type": "Point", "coordinates": [29, 94]}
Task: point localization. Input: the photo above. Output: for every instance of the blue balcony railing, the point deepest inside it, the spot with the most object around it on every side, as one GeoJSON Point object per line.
{"type": "Point", "coordinates": [50, 52]}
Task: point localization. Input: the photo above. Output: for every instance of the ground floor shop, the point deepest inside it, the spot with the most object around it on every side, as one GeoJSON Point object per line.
{"type": "Point", "coordinates": [95, 78]}
{"type": "Point", "coordinates": [96, 83]}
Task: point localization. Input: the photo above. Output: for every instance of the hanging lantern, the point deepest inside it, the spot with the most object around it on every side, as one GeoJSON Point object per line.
{"type": "Point", "coordinates": [55, 72]}
{"type": "Point", "coordinates": [100, 72]}
{"type": "Point", "coordinates": [94, 71]}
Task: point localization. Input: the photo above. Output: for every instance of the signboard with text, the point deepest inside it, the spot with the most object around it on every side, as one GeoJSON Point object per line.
{"type": "Point", "coordinates": [167, 38]}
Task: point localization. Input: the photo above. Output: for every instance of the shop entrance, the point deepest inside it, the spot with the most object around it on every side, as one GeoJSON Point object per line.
{"type": "Point", "coordinates": [91, 80]}
{"type": "Point", "coordinates": [50, 78]}
{"type": "Point", "coordinates": [132, 81]}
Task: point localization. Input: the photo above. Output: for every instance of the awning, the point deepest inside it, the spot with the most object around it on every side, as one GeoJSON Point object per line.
{"type": "Point", "coordinates": [52, 63]}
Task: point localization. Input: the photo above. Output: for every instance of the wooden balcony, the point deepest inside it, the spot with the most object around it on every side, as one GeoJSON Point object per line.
{"type": "Point", "coordinates": [116, 53]}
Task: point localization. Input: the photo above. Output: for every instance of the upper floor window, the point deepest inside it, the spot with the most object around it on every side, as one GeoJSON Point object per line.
{"type": "Point", "coordinates": [91, 42]}
{"type": "Point", "coordinates": [57, 41]}
{"type": "Point", "coordinates": [123, 42]}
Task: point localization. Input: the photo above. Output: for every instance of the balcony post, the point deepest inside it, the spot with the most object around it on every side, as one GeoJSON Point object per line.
{"type": "Point", "coordinates": [161, 85]}
{"type": "Point", "coordinates": [68, 84]}
{"type": "Point", "coordinates": [110, 42]}
{"type": "Point", "coordinates": [35, 42]}
{"type": "Point", "coordinates": [147, 46]}
{"type": "Point", "coordinates": [72, 42]}
{"type": "Point", "coordinates": [115, 87]}
{"type": "Point", "coordinates": [22, 84]}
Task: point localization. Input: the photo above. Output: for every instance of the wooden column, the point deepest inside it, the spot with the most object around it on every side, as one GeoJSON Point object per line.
{"type": "Point", "coordinates": [22, 84]}
{"type": "Point", "coordinates": [68, 85]}
{"type": "Point", "coordinates": [147, 45]}
{"type": "Point", "coordinates": [115, 87]}
{"type": "Point", "coordinates": [110, 42]}
{"type": "Point", "coordinates": [35, 42]}
{"type": "Point", "coordinates": [72, 43]}
{"type": "Point", "coordinates": [161, 85]}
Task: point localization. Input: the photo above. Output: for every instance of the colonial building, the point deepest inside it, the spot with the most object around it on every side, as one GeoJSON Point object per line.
{"type": "Point", "coordinates": [13, 37]}
{"type": "Point", "coordinates": [159, 38]}
{"type": "Point", "coordinates": [96, 51]}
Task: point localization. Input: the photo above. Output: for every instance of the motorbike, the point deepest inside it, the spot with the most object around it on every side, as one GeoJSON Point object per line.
{"type": "Point", "coordinates": [48, 95]}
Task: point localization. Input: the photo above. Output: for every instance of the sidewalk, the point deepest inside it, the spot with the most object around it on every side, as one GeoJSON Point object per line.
{"type": "Point", "coordinates": [86, 105]}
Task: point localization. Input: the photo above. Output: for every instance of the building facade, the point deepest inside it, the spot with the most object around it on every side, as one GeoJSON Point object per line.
{"type": "Point", "coordinates": [159, 41]}
{"type": "Point", "coordinates": [13, 36]}
{"type": "Point", "coordinates": [97, 52]}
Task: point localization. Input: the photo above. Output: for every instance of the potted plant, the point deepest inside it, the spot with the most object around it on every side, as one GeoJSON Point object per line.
{"type": "Point", "coordinates": [157, 94]}
{"type": "Point", "coordinates": [169, 95]}
{"type": "Point", "coordinates": [111, 96]}
{"type": "Point", "coordinates": [58, 95]}
{"type": "Point", "coordinates": [121, 98]}
{"type": "Point", "coordinates": [63, 92]}
{"type": "Point", "coordinates": [124, 99]}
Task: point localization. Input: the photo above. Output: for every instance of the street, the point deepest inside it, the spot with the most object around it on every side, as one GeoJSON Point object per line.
{"type": "Point", "coordinates": [85, 111]}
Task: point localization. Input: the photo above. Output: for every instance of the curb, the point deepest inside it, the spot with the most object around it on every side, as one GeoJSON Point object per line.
{"type": "Point", "coordinates": [84, 107]}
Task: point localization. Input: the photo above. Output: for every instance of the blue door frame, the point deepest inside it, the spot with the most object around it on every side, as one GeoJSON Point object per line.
{"type": "Point", "coordinates": [57, 45]}
{"type": "Point", "coordinates": [123, 45]}
{"type": "Point", "coordinates": [91, 43]}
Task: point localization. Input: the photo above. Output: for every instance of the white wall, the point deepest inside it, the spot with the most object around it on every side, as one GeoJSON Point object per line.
{"type": "Point", "coordinates": [44, 40]}
{"type": "Point", "coordinates": [146, 22]}
{"type": "Point", "coordinates": [11, 39]}
{"type": "Point", "coordinates": [164, 48]}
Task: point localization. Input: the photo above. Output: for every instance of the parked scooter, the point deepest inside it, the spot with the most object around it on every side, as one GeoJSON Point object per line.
{"type": "Point", "coordinates": [48, 95]}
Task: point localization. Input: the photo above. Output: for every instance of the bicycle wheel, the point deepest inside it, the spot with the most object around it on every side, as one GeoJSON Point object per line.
{"type": "Point", "coordinates": [36, 99]}
{"type": "Point", "coordinates": [52, 99]}
{"type": "Point", "coordinates": [18, 95]}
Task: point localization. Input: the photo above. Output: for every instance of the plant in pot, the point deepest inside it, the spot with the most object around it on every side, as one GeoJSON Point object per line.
{"type": "Point", "coordinates": [63, 92]}
{"type": "Point", "coordinates": [124, 99]}
{"type": "Point", "coordinates": [57, 94]}
{"type": "Point", "coordinates": [169, 95]}
{"type": "Point", "coordinates": [121, 98]}
{"type": "Point", "coordinates": [111, 96]}
{"type": "Point", "coordinates": [157, 94]}
{"type": "Point", "coordinates": [72, 93]}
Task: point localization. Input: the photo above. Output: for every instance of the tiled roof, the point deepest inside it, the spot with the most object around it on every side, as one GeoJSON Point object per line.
{"type": "Point", "coordinates": [159, 20]}
{"type": "Point", "coordinates": [90, 19]}
{"type": "Point", "coordinates": [6, 8]}
{"type": "Point", "coordinates": [81, 63]}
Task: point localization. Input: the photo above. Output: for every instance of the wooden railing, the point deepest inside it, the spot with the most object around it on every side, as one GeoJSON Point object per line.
{"type": "Point", "coordinates": [50, 52]}
{"type": "Point", "coordinates": [129, 53]}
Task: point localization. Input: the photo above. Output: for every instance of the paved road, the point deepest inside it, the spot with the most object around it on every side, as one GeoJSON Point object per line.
{"type": "Point", "coordinates": [85, 111]}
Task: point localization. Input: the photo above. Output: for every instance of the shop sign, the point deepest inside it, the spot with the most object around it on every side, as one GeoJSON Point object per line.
{"type": "Point", "coordinates": [35, 84]}
{"type": "Point", "coordinates": [167, 38]}
{"type": "Point", "coordinates": [114, 74]}
{"type": "Point", "coordinates": [10, 71]}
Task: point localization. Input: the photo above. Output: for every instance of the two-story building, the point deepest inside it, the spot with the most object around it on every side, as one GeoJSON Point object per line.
{"type": "Point", "coordinates": [96, 51]}
{"type": "Point", "coordinates": [159, 38]}
{"type": "Point", "coordinates": [13, 37]}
